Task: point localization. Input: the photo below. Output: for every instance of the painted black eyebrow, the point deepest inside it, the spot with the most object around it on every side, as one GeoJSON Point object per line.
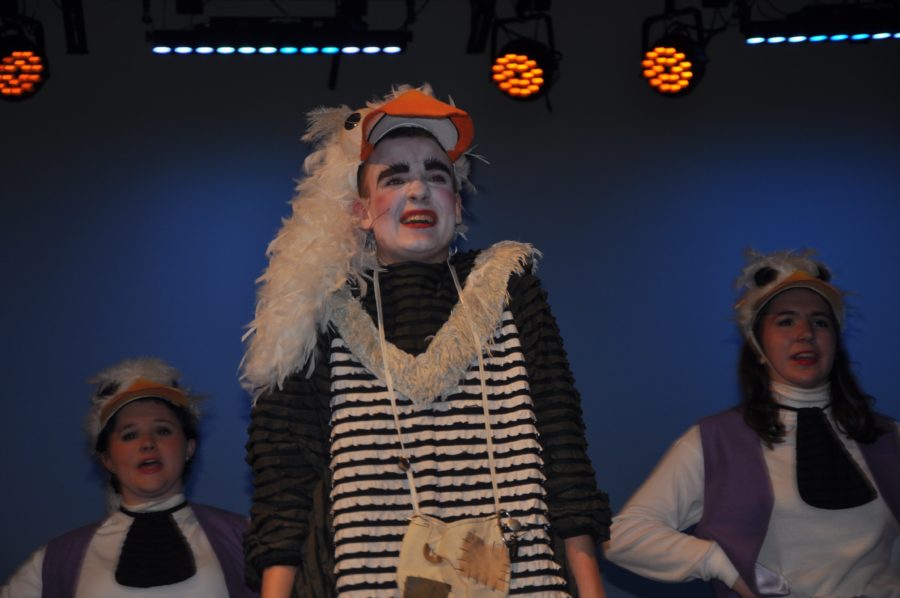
{"type": "Point", "coordinates": [403, 168]}
{"type": "Point", "coordinates": [435, 164]}
{"type": "Point", "coordinates": [398, 168]}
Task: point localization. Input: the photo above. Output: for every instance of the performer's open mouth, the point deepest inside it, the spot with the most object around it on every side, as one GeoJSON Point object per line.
{"type": "Point", "coordinates": [805, 358]}
{"type": "Point", "coordinates": [418, 218]}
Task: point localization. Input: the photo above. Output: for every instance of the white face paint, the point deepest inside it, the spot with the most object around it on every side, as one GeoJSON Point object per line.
{"type": "Point", "coordinates": [412, 205]}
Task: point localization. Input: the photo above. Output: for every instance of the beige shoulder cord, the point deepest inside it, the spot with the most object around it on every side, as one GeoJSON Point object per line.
{"type": "Point", "coordinates": [404, 462]}
{"type": "Point", "coordinates": [484, 398]}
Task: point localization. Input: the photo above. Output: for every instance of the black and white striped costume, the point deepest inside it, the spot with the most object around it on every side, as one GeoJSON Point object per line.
{"type": "Point", "coordinates": [324, 450]}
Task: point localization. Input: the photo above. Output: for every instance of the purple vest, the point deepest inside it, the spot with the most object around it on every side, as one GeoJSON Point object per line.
{"type": "Point", "coordinates": [738, 500]}
{"type": "Point", "coordinates": [64, 555]}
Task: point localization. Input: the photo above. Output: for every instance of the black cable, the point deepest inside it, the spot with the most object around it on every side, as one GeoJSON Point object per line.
{"type": "Point", "coordinates": [276, 4]}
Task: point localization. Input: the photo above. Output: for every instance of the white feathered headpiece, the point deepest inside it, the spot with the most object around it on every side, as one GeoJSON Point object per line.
{"type": "Point", "coordinates": [131, 380]}
{"type": "Point", "coordinates": [318, 249]}
{"type": "Point", "coordinates": [765, 276]}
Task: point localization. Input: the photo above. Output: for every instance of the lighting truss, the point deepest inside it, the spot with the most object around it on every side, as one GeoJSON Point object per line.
{"type": "Point", "coordinates": [264, 36]}
{"type": "Point", "coordinates": [857, 22]}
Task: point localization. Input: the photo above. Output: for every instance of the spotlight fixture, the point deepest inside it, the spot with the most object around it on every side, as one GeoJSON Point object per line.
{"type": "Point", "coordinates": [857, 22]}
{"type": "Point", "coordinates": [673, 65]}
{"type": "Point", "coordinates": [524, 68]}
{"type": "Point", "coordinates": [675, 62]}
{"type": "Point", "coordinates": [242, 36]}
{"type": "Point", "coordinates": [23, 61]}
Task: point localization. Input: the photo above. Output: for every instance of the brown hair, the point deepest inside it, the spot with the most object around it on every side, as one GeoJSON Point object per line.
{"type": "Point", "coordinates": [850, 406]}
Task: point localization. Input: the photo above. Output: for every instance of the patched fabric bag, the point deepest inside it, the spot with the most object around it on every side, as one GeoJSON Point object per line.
{"type": "Point", "coordinates": [464, 559]}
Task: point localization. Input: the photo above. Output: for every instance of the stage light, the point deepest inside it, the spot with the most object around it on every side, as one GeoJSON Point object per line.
{"type": "Point", "coordinates": [23, 61]}
{"type": "Point", "coordinates": [851, 23]}
{"type": "Point", "coordinates": [674, 64]}
{"type": "Point", "coordinates": [667, 67]}
{"type": "Point", "coordinates": [250, 36]}
{"type": "Point", "coordinates": [525, 66]}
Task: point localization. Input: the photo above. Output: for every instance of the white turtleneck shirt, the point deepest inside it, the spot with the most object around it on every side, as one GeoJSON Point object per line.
{"type": "Point", "coordinates": [817, 553]}
{"type": "Point", "coordinates": [97, 577]}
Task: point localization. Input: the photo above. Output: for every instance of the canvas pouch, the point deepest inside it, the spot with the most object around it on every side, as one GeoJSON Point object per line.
{"type": "Point", "coordinates": [463, 559]}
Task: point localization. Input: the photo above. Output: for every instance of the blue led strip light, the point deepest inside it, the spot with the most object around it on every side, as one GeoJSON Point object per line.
{"type": "Point", "coordinates": [239, 36]}
{"type": "Point", "coordinates": [268, 50]}
{"type": "Point", "coordinates": [821, 23]}
{"type": "Point", "coordinates": [758, 40]}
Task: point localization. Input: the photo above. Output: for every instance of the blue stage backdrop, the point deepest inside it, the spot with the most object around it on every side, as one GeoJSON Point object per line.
{"type": "Point", "coordinates": [139, 194]}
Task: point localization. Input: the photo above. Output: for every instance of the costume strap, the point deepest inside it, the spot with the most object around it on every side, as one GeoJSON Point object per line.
{"type": "Point", "coordinates": [484, 398]}
{"type": "Point", "coordinates": [405, 464]}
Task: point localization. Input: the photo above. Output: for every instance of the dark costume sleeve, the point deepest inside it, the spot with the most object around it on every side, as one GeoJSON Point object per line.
{"type": "Point", "coordinates": [288, 453]}
{"type": "Point", "coordinates": [576, 506]}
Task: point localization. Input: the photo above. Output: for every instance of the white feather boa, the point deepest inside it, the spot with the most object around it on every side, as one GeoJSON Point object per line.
{"type": "Point", "coordinates": [438, 370]}
{"type": "Point", "coordinates": [318, 249]}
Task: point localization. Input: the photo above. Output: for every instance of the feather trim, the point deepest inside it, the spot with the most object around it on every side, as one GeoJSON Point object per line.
{"type": "Point", "coordinates": [124, 374]}
{"type": "Point", "coordinates": [784, 263]}
{"type": "Point", "coordinates": [438, 371]}
{"type": "Point", "coordinates": [782, 266]}
{"type": "Point", "coordinates": [318, 249]}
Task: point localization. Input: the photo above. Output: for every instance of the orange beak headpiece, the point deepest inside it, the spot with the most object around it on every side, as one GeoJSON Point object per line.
{"type": "Point", "coordinates": [765, 276]}
{"type": "Point", "coordinates": [451, 126]}
{"type": "Point", "coordinates": [132, 380]}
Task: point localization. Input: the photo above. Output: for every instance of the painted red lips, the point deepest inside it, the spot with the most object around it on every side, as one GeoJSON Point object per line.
{"type": "Point", "coordinates": [418, 218]}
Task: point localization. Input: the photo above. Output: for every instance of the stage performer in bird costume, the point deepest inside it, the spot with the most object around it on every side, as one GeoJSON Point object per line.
{"type": "Point", "coordinates": [416, 430]}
